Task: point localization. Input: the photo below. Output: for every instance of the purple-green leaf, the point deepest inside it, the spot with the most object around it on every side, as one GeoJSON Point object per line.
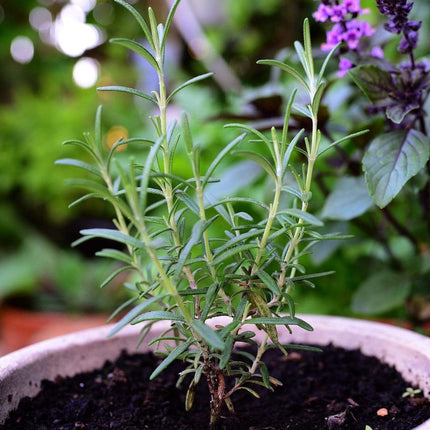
{"type": "Point", "coordinates": [397, 112]}
{"type": "Point", "coordinates": [391, 160]}
{"type": "Point", "coordinates": [376, 84]}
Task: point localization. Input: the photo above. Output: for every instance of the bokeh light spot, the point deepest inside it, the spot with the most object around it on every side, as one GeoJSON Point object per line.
{"type": "Point", "coordinates": [72, 13]}
{"type": "Point", "coordinates": [74, 38]}
{"type": "Point", "coordinates": [22, 49]}
{"type": "Point", "coordinates": [40, 17]}
{"type": "Point", "coordinates": [86, 72]}
{"type": "Point", "coordinates": [85, 5]}
{"type": "Point", "coordinates": [114, 134]}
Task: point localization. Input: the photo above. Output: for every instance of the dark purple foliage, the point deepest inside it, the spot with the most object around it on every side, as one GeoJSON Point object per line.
{"type": "Point", "coordinates": [402, 95]}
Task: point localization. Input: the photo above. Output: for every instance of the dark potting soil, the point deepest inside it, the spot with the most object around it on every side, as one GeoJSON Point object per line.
{"type": "Point", "coordinates": [334, 389]}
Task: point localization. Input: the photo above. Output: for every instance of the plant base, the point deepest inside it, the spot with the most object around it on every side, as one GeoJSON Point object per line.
{"type": "Point", "coordinates": [329, 390]}
{"type": "Point", "coordinates": [21, 372]}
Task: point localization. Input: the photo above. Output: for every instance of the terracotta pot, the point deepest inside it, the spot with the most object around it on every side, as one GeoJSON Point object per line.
{"type": "Point", "coordinates": [21, 372]}
{"type": "Point", "coordinates": [21, 327]}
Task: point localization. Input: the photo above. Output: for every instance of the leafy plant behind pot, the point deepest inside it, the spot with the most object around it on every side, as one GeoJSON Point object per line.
{"type": "Point", "coordinates": [194, 256]}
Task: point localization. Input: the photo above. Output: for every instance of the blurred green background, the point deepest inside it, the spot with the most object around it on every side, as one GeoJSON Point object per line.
{"type": "Point", "coordinates": [53, 55]}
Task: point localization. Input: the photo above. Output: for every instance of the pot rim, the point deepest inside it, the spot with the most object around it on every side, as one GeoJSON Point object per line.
{"type": "Point", "coordinates": [407, 351]}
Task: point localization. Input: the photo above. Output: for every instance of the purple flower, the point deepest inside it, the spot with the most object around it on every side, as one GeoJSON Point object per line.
{"type": "Point", "coordinates": [347, 28]}
{"type": "Point", "coordinates": [352, 37]}
{"type": "Point", "coordinates": [337, 12]}
{"type": "Point", "coordinates": [353, 6]}
{"type": "Point", "coordinates": [334, 36]}
{"type": "Point", "coordinates": [355, 31]}
{"type": "Point", "coordinates": [351, 33]}
{"type": "Point", "coordinates": [377, 52]}
{"type": "Point", "coordinates": [323, 13]}
{"type": "Point", "coordinates": [344, 66]}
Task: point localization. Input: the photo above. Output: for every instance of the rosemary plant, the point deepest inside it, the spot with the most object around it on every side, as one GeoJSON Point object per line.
{"type": "Point", "coordinates": [187, 273]}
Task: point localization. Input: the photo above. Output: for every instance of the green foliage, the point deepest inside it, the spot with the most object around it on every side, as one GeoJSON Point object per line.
{"type": "Point", "coordinates": [28, 148]}
{"type": "Point", "coordinates": [194, 255]}
{"type": "Point", "coordinates": [348, 200]}
{"type": "Point", "coordinates": [51, 279]}
{"type": "Point", "coordinates": [381, 292]}
{"type": "Point", "coordinates": [18, 276]}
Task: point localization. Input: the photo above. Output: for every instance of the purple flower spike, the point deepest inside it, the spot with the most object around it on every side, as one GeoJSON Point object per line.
{"type": "Point", "coordinates": [398, 13]}
{"type": "Point", "coordinates": [409, 42]}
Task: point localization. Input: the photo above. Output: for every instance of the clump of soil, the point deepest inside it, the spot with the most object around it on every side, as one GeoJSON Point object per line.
{"type": "Point", "coordinates": [334, 389]}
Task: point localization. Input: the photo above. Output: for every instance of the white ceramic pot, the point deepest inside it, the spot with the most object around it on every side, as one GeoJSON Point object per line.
{"type": "Point", "coordinates": [21, 372]}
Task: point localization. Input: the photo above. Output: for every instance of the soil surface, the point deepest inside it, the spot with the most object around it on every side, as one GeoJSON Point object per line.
{"type": "Point", "coordinates": [334, 389]}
